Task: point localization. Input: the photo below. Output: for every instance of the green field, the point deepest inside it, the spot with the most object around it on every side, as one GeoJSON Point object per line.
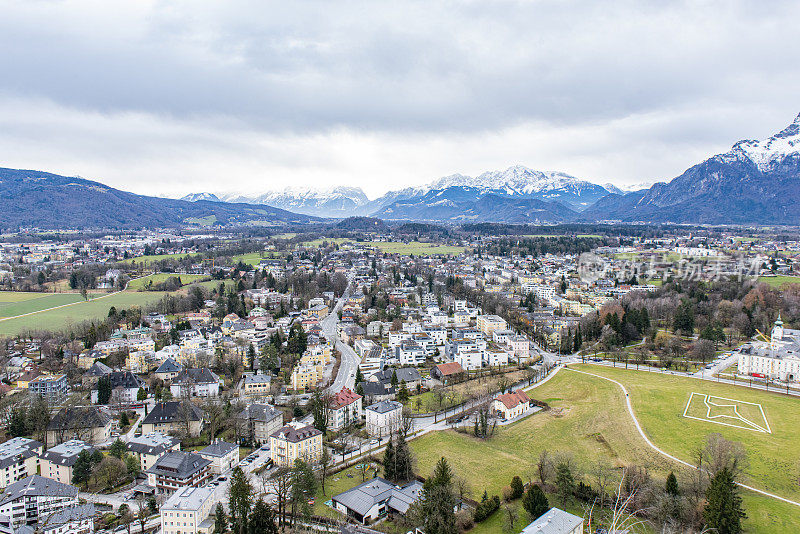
{"type": "Point", "coordinates": [254, 258]}
{"type": "Point", "coordinates": [779, 281]}
{"type": "Point", "coordinates": [588, 419]}
{"type": "Point", "coordinates": [18, 303]}
{"type": "Point", "coordinates": [82, 311]}
{"type": "Point", "coordinates": [147, 260]}
{"type": "Point", "coordinates": [157, 278]}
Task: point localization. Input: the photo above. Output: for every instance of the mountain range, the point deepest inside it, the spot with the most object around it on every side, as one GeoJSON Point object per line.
{"type": "Point", "coordinates": [755, 182]}
{"type": "Point", "coordinates": [45, 200]}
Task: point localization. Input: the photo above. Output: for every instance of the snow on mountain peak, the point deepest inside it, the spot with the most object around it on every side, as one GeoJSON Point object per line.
{"type": "Point", "coordinates": [767, 151]}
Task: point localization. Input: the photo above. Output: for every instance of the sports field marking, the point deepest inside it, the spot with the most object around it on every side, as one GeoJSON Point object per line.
{"type": "Point", "coordinates": [711, 402]}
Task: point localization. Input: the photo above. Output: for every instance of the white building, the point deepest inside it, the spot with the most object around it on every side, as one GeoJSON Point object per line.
{"type": "Point", "coordinates": [777, 360]}
{"type": "Point", "coordinates": [19, 458]}
{"type": "Point", "coordinates": [187, 511]}
{"type": "Point", "coordinates": [384, 418]}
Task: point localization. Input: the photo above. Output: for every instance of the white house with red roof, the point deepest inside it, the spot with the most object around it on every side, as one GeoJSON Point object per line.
{"type": "Point", "coordinates": [511, 405]}
{"type": "Point", "coordinates": [346, 408]}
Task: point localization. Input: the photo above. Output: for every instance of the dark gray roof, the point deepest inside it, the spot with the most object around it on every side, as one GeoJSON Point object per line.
{"type": "Point", "coordinates": [79, 417]}
{"type": "Point", "coordinates": [169, 366]}
{"type": "Point", "coordinates": [152, 443]}
{"type": "Point", "coordinates": [364, 496]}
{"type": "Point", "coordinates": [385, 406]}
{"type": "Point", "coordinates": [179, 464]}
{"type": "Point", "coordinates": [16, 449]}
{"type": "Point", "coordinates": [170, 412]}
{"type": "Point", "coordinates": [260, 412]}
{"type": "Point", "coordinates": [218, 449]}
{"type": "Point", "coordinates": [37, 485]}
{"type": "Point", "coordinates": [196, 376]}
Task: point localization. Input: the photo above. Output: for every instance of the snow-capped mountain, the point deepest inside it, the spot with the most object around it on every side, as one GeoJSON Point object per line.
{"type": "Point", "coordinates": [754, 182]}
{"type": "Point", "coordinates": [331, 202]}
{"type": "Point", "coordinates": [194, 197]}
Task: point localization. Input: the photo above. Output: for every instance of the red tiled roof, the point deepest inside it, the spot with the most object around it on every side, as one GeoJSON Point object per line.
{"type": "Point", "coordinates": [451, 368]}
{"type": "Point", "coordinates": [344, 397]}
{"type": "Point", "coordinates": [511, 400]}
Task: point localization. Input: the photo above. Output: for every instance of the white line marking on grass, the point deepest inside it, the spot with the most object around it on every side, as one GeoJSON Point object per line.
{"type": "Point", "coordinates": [708, 401]}
{"type": "Point", "coordinates": [667, 455]}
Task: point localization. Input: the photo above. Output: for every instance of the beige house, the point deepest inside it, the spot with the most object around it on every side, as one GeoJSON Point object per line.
{"type": "Point", "coordinates": [294, 441]}
{"type": "Point", "coordinates": [57, 463]}
{"type": "Point", "coordinates": [188, 511]}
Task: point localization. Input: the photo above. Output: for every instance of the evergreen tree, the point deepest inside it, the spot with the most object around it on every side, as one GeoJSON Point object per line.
{"type": "Point", "coordinates": [535, 502]}
{"type": "Point", "coordinates": [262, 519]}
{"type": "Point", "coordinates": [565, 482]}
{"type": "Point", "coordinates": [103, 390]}
{"type": "Point", "coordinates": [220, 519]}
{"type": "Point", "coordinates": [437, 501]}
{"type": "Point", "coordinates": [723, 511]}
{"type": "Point", "coordinates": [389, 461]}
{"type": "Point", "coordinates": [672, 485]}
{"type": "Point", "coordinates": [240, 495]}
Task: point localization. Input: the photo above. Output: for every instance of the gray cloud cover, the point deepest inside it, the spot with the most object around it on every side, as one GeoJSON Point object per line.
{"type": "Point", "coordinates": [169, 97]}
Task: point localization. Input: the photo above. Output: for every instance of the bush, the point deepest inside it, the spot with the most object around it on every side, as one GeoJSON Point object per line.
{"type": "Point", "coordinates": [517, 488]}
{"type": "Point", "coordinates": [486, 508]}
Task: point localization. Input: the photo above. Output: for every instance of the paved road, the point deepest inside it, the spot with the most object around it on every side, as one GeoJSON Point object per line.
{"type": "Point", "coordinates": [350, 360]}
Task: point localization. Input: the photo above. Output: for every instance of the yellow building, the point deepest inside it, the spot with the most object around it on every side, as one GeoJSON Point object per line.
{"type": "Point", "coordinates": [295, 441]}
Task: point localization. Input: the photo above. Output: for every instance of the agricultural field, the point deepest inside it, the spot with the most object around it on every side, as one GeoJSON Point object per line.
{"type": "Point", "coordinates": [779, 281]}
{"type": "Point", "coordinates": [588, 419]}
{"type": "Point", "coordinates": [143, 261]}
{"type": "Point", "coordinates": [94, 309]}
{"type": "Point", "coordinates": [18, 303]}
{"type": "Point", "coordinates": [140, 284]}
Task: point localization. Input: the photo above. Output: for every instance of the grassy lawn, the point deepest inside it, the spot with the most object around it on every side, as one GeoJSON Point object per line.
{"type": "Point", "coordinates": [659, 401]}
{"type": "Point", "coordinates": [82, 311]}
{"type": "Point", "coordinates": [18, 303]}
{"type": "Point", "coordinates": [588, 419]}
{"type": "Point", "coordinates": [139, 284]}
{"type": "Point", "coordinates": [779, 281]}
{"type": "Point", "coordinates": [254, 258]}
{"type": "Point", "coordinates": [147, 260]}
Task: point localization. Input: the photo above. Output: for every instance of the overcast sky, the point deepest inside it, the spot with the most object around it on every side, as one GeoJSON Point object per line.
{"type": "Point", "coordinates": [184, 96]}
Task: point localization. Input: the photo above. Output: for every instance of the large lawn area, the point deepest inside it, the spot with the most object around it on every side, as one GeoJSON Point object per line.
{"type": "Point", "coordinates": [588, 419]}
{"type": "Point", "coordinates": [779, 281]}
{"type": "Point", "coordinates": [82, 311]}
{"type": "Point", "coordinates": [143, 282]}
{"type": "Point", "coordinates": [147, 260]}
{"type": "Point", "coordinates": [18, 303]}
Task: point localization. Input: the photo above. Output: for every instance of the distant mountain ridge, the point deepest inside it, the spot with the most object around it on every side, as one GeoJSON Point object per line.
{"type": "Point", "coordinates": [755, 182]}
{"type": "Point", "coordinates": [45, 200]}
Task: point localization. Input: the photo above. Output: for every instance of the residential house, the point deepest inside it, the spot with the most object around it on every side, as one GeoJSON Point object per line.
{"type": "Point", "coordinates": [376, 499]}
{"type": "Point", "coordinates": [293, 441]}
{"type": "Point", "coordinates": [86, 423]}
{"type": "Point", "coordinates": [384, 418]}
{"type": "Point", "coordinates": [35, 499]}
{"type": "Point", "coordinates": [512, 404]}
{"type": "Point", "coordinates": [57, 463]}
{"type": "Point", "coordinates": [19, 458]}
{"type": "Point", "coordinates": [345, 409]}
{"type": "Point", "coordinates": [556, 521]}
{"type": "Point", "coordinates": [447, 373]}
{"type": "Point", "coordinates": [174, 417]}
{"type": "Point", "coordinates": [148, 448]}
{"type": "Point", "coordinates": [195, 383]}
{"type": "Point", "coordinates": [222, 455]}
{"type": "Point", "coordinates": [178, 469]}
{"type": "Point", "coordinates": [188, 511]}
{"type": "Point", "coordinates": [257, 422]}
